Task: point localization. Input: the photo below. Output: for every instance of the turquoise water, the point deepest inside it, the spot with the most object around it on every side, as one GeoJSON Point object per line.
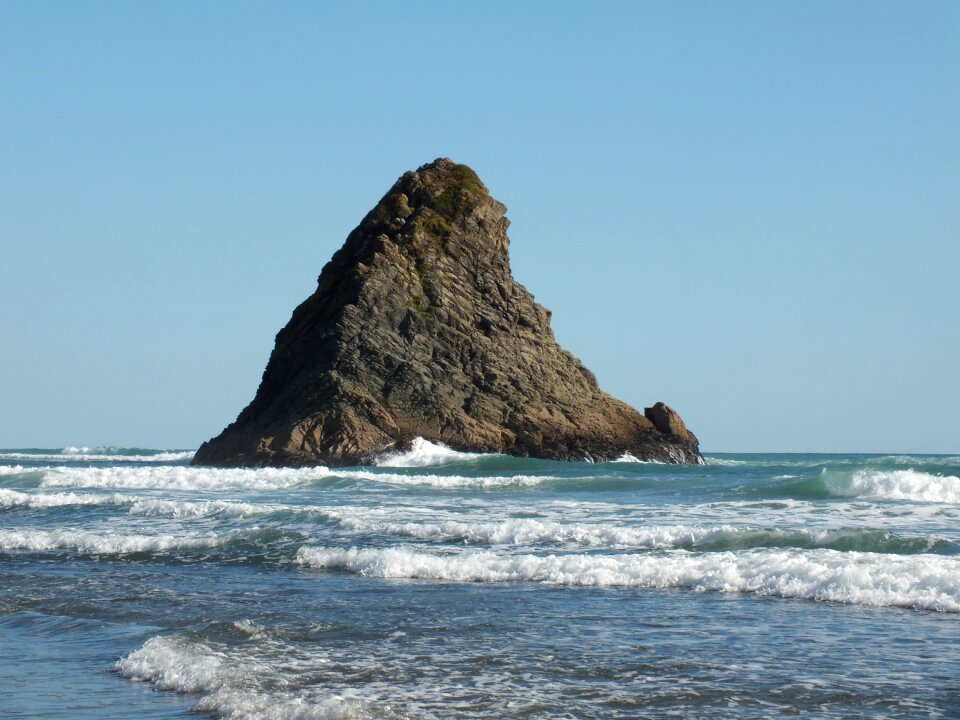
{"type": "Point", "coordinates": [448, 585]}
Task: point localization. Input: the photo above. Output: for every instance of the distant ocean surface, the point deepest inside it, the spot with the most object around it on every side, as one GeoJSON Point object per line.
{"type": "Point", "coordinates": [448, 585]}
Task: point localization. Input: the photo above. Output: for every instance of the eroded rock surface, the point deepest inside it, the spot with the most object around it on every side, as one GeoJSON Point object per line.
{"type": "Point", "coordinates": [417, 328]}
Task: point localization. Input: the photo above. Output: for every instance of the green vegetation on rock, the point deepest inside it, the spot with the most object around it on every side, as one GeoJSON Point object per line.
{"type": "Point", "coordinates": [436, 225]}
{"type": "Point", "coordinates": [462, 188]}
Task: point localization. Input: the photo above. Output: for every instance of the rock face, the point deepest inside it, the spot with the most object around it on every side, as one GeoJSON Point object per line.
{"type": "Point", "coordinates": [417, 328]}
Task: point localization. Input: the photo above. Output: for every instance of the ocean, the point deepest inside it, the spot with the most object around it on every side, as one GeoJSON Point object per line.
{"type": "Point", "coordinates": [441, 584]}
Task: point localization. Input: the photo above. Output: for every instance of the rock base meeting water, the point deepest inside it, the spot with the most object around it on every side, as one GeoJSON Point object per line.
{"type": "Point", "coordinates": [417, 328]}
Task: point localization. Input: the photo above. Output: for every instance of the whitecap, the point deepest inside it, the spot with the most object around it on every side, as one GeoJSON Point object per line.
{"type": "Point", "coordinates": [175, 477]}
{"type": "Point", "coordinates": [232, 686]}
{"type": "Point", "coordinates": [86, 542]}
{"type": "Point", "coordinates": [16, 498]}
{"type": "Point", "coordinates": [424, 453]}
{"type": "Point", "coordinates": [918, 581]}
{"type": "Point", "coordinates": [726, 461]}
{"type": "Point", "coordinates": [201, 508]}
{"type": "Point", "coordinates": [86, 455]}
{"type": "Point", "coordinates": [139, 505]}
{"type": "Point", "coordinates": [529, 531]}
{"type": "Point", "coordinates": [445, 481]}
{"type": "Point", "coordinates": [905, 484]}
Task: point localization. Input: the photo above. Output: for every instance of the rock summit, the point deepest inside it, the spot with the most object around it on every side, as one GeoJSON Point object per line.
{"type": "Point", "coordinates": [418, 329]}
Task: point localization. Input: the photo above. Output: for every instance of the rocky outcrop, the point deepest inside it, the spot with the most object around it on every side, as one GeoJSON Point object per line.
{"type": "Point", "coordinates": [417, 328]}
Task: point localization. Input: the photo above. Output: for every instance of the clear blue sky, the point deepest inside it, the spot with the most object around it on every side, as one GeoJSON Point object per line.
{"type": "Point", "coordinates": [749, 210]}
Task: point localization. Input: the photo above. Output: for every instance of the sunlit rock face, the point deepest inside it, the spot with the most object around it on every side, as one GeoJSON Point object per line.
{"type": "Point", "coordinates": [418, 329]}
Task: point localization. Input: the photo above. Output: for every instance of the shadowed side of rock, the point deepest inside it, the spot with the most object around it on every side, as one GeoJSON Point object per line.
{"type": "Point", "coordinates": [417, 328]}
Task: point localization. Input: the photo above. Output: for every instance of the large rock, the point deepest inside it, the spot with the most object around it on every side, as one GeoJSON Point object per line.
{"type": "Point", "coordinates": [417, 328]}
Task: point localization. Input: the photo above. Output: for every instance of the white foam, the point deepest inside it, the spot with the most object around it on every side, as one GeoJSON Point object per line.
{"type": "Point", "coordinates": [175, 477]}
{"type": "Point", "coordinates": [107, 542]}
{"type": "Point", "coordinates": [445, 481]}
{"type": "Point", "coordinates": [120, 454]}
{"type": "Point", "coordinates": [183, 477]}
{"type": "Point", "coordinates": [232, 687]}
{"type": "Point", "coordinates": [897, 485]}
{"type": "Point", "coordinates": [525, 531]}
{"type": "Point", "coordinates": [154, 507]}
{"type": "Point", "coordinates": [252, 629]}
{"type": "Point", "coordinates": [140, 505]}
{"type": "Point", "coordinates": [528, 531]}
{"type": "Point", "coordinates": [725, 461]}
{"type": "Point", "coordinates": [424, 453]}
{"type": "Point", "coordinates": [201, 508]}
{"type": "Point", "coordinates": [15, 498]}
{"type": "Point", "coordinates": [86, 455]}
{"type": "Point", "coordinates": [946, 460]}
{"type": "Point", "coordinates": [74, 450]}
{"type": "Point", "coordinates": [919, 581]}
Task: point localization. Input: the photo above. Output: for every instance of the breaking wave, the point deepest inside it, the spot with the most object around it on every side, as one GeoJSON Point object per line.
{"type": "Point", "coordinates": [424, 453]}
{"type": "Point", "coordinates": [437, 526]}
{"type": "Point", "coordinates": [446, 481]}
{"type": "Point", "coordinates": [100, 454]}
{"type": "Point", "coordinates": [202, 508]}
{"type": "Point", "coordinates": [629, 457]}
{"type": "Point", "coordinates": [233, 686]}
{"type": "Point", "coordinates": [929, 582]}
{"type": "Point", "coordinates": [181, 477]}
{"type": "Point", "coordinates": [905, 484]}
{"type": "Point", "coordinates": [15, 498]}
{"type": "Point", "coordinates": [526, 532]}
{"type": "Point", "coordinates": [187, 478]}
{"type": "Point", "coordinates": [87, 542]}
{"type": "Point", "coordinates": [140, 505]}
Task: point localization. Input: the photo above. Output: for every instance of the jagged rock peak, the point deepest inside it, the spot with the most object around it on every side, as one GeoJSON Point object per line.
{"type": "Point", "coordinates": [417, 328]}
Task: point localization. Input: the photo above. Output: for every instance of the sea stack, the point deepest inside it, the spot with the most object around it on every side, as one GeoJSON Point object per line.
{"type": "Point", "coordinates": [418, 329]}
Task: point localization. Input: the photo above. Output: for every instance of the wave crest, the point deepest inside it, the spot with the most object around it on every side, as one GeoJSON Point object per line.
{"type": "Point", "coordinates": [917, 581]}
{"type": "Point", "coordinates": [905, 484]}
{"type": "Point", "coordinates": [83, 454]}
{"type": "Point", "coordinates": [233, 687]}
{"type": "Point", "coordinates": [86, 542]}
{"type": "Point", "coordinates": [174, 477]}
{"type": "Point", "coordinates": [424, 453]}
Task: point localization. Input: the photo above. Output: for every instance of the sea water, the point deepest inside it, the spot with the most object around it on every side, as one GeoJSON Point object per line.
{"type": "Point", "coordinates": [439, 584]}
